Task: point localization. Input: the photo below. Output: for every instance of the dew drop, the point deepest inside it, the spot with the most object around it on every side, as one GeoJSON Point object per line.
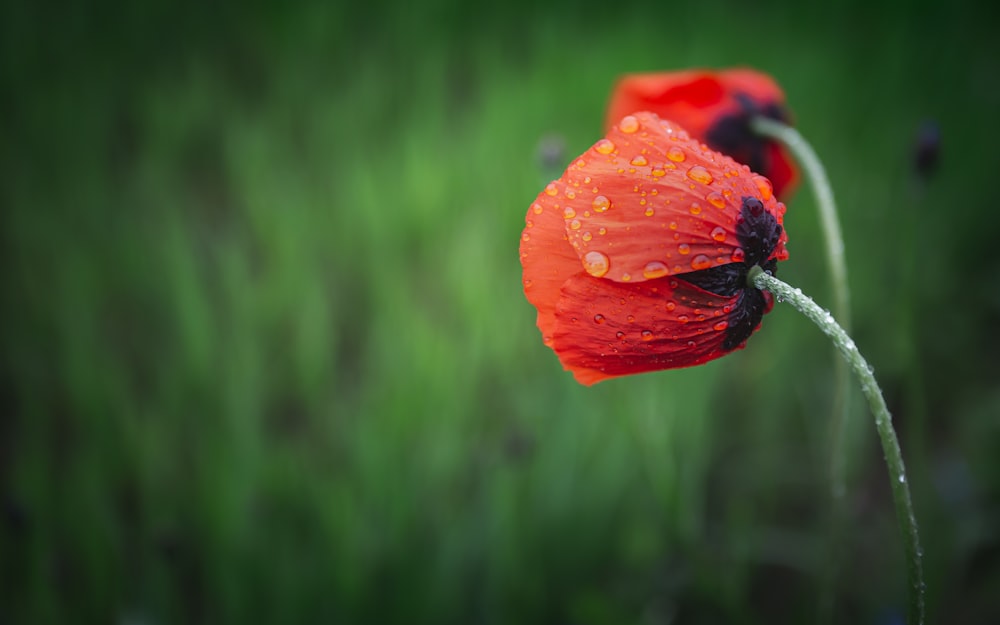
{"type": "Point", "coordinates": [537, 208]}
{"type": "Point", "coordinates": [682, 318]}
{"type": "Point", "coordinates": [700, 262]}
{"type": "Point", "coordinates": [671, 305]}
{"type": "Point", "coordinates": [649, 211]}
{"type": "Point", "coordinates": [738, 255]}
{"type": "Point", "coordinates": [719, 233]}
{"type": "Point", "coordinates": [646, 335]}
{"type": "Point", "coordinates": [550, 189]}
{"type": "Point", "coordinates": [684, 248]}
{"type": "Point", "coordinates": [601, 203]}
{"type": "Point", "coordinates": [598, 318]}
{"type": "Point", "coordinates": [722, 325]}
{"type": "Point", "coordinates": [639, 161]}
{"type": "Point", "coordinates": [673, 225]}
{"type": "Point", "coordinates": [586, 236]}
{"type": "Point", "coordinates": [602, 230]}
{"type": "Point", "coordinates": [655, 269]}
{"type": "Point", "coordinates": [764, 186]}
{"type": "Point", "coordinates": [695, 208]}
{"type": "Point", "coordinates": [715, 199]}
{"type": "Point", "coordinates": [700, 174]}
{"type": "Point", "coordinates": [604, 146]}
{"type": "Point", "coordinates": [570, 193]}
{"type": "Point", "coordinates": [630, 319]}
{"type": "Point", "coordinates": [596, 263]}
{"type": "Point", "coordinates": [626, 277]}
{"type": "Point", "coordinates": [525, 236]}
{"type": "Point", "coordinates": [658, 172]}
{"type": "Point", "coordinates": [629, 124]}
{"type": "Point", "coordinates": [575, 224]}
{"type": "Point", "coordinates": [676, 154]}
{"type": "Point", "coordinates": [619, 334]}
{"type": "Point", "coordinates": [569, 213]}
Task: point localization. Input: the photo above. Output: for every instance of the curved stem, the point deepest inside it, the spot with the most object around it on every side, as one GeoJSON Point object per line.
{"type": "Point", "coordinates": [883, 423]}
{"type": "Point", "coordinates": [838, 276]}
{"type": "Point", "coordinates": [824, 203]}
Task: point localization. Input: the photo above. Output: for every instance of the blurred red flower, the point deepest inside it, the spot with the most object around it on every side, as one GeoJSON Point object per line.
{"type": "Point", "coordinates": [715, 107]}
{"type": "Point", "coordinates": [637, 257]}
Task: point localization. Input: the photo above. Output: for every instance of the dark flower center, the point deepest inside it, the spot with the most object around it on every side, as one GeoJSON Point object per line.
{"type": "Point", "coordinates": [757, 231]}
{"type": "Point", "coordinates": [732, 134]}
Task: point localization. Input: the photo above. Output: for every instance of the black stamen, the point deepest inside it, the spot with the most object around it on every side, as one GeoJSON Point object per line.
{"type": "Point", "coordinates": [757, 231]}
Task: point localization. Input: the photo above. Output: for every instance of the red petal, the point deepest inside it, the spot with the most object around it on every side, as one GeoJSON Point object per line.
{"type": "Point", "coordinates": [547, 258]}
{"type": "Point", "coordinates": [760, 87]}
{"type": "Point", "coordinates": [606, 329]}
{"type": "Point", "coordinates": [648, 202]}
{"type": "Point", "coordinates": [691, 98]}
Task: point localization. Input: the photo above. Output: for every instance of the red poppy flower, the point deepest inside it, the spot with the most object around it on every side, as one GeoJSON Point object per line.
{"type": "Point", "coordinates": [715, 107]}
{"type": "Point", "coordinates": [637, 257]}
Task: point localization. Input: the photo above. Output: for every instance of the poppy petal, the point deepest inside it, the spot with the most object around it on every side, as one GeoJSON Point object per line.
{"type": "Point", "coordinates": [547, 257]}
{"type": "Point", "coordinates": [648, 201]}
{"type": "Point", "coordinates": [605, 329]}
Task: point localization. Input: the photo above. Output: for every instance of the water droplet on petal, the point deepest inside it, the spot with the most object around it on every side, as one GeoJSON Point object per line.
{"type": "Point", "coordinates": [626, 277]}
{"type": "Point", "coordinates": [700, 174]}
{"type": "Point", "coordinates": [738, 255]}
{"type": "Point", "coordinates": [764, 186]}
{"type": "Point", "coordinates": [575, 224]}
{"type": "Point", "coordinates": [620, 334]}
{"type": "Point", "coordinates": [715, 199]}
{"type": "Point", "coordinates": [639, 161]}
{"type": "Point", "coordinates": [671, 305]}
{"type": "Point", "coordinates": [684, 248]}
{"type": "Point", "coordinates": [719, 233]}
{"type": "Point", "coordinates": [601, 203]}
{"type": "Point", "coordinates": [569, 213]}
{"type": "Point", "coordinates": [537, 208]}
{"type": "Point", "coordinates": [676, 154]}
{"type": "Point", "coordinates": [598, 318]}
{"type": "Point", "coordinates": [673, 225]}
{"type": "Point", "coordinates": [700, 262]}
{"type": "Point", "coordinates": [655, 269]}
{"type": "Point", "coordinates": [646, 335]}
{"type": "Point", "coordinates": [604, 146]}
{"type": "Point", "coordinates": [682, 318]}
{"type": "Point", "coordinates": [630, 319]}
{"type": "Point", "coordinates": [722, 325]}
{"type": "Point", "coordinates": [649, 212]}
{"type": "Point", "coordinates": [629, 124]}
{"type": "Point", "coordinates": [602, 230]}
{"type": "Point", "coordinates": [550, 189]}
{"type": "Point", "coordinates": [658, 172]}
{"type": "Point", "coordinates": [596, 263]}
{"type": "Point", "coordinates": [695, 208]}
{"type": "Point", "coordinates": [525, 236]}
{"type": "Point", "coordinates": [586, 236]}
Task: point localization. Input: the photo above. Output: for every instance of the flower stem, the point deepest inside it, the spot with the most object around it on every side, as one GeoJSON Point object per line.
{"type": "Point", "coordinates": [883, 423]}
{"type": "Point", "coordinates": [824, 203]}
{"type": "Point", "coordinates": [838, 276]}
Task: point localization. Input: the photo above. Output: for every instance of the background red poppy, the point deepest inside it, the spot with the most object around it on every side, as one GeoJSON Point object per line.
{"type": "Point", "coordinates": [715, 107]}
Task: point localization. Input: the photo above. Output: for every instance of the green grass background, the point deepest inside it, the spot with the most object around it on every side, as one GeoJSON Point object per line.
{"type": "Point", "coordinates": [266, 357]}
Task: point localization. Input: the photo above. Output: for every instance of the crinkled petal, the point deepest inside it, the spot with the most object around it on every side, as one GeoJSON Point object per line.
{"type": "Point", "coordinates": [605, 329]}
